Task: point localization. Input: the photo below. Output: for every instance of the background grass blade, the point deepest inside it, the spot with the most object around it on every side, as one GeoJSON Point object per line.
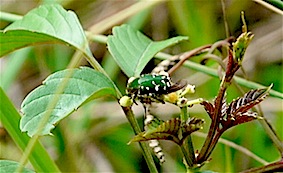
{"type": "Point", "coordinates": [10, 118]}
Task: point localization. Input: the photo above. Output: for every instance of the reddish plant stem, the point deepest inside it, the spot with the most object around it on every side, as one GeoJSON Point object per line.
{"type": "Point", "coordinates": [273, 167]}
{"type": "Point", "coordinates": [212, 138]}
{"type": "Point", "coordinates": [185, 56]}
{"type": "Point", "coordinates": [214, 142]}
{"type": "Point", "coordinates": [208, 147]}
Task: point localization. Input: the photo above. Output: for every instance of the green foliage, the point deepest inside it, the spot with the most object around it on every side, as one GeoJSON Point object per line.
{"type": "Point", "coordinates": [132, 50]}
{"type": "Point", "coordinates": [45, 24]}
{"type": "Point", "coordinates": [81, 85]}
{"type": "Point", "coordinates": [11, 166]}
{"type": "Point", "coordinates": [86, 130]}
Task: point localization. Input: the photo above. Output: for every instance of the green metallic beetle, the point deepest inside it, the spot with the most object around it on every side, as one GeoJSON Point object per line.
{"type": "Point", "coordinates": [151, 87]}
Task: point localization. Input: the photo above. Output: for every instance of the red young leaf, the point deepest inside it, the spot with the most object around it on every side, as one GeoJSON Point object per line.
{"type": "Point", "coordinates": [237, 112]}
{"type": "Point", "coordinates": [249, 100]}
{"type": "Point", "coordinates": [209, 108]}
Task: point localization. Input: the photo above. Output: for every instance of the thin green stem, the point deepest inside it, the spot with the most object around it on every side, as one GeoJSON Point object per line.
{"type": "Point", "coordinates": [272, 134]}
{"type": "Point", "coordinates": [269, 6]}
{"type": "Point", "coordinates": [184, 114]}
{"type": "Point", "coordinates": [187, 146]}
{"type": "Point", "coordinates": [189, 161]}
{"type": "Point", "coordinates": [225, 18]}
{"type": "Point", "coordinates": [130, 116]}
{"type": "Point", "coordinates": [145, 148]}
{"type": "Point", "coordinates": [9, 16]}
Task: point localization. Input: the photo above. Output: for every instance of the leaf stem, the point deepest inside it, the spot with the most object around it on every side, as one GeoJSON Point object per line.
{"type": "Point", "coordinates": [130, 116]}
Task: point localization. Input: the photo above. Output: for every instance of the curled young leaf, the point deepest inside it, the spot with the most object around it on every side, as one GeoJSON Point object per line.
{"type": "Point", "coordinates": [242, 42]}
{"type": "Point", "coordinates": [240, 46]}
{"type": "Point", "coordinates": [236, 53]}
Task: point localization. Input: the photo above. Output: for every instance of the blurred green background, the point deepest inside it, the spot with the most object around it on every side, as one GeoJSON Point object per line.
{"type": "Point", "coordinates": [94, 138]}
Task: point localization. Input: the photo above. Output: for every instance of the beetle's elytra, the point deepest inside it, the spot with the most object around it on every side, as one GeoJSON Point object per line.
{"type": "Point", "coordinates": [149, 84]}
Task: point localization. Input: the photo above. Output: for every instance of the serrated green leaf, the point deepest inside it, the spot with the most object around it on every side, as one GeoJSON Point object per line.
{"type": "Point", "coordinates": [84, 84]}
{"type": "Point", "coordinates": [11, 166]}
{"type": "Point", "coordinates": [132, 50]}
{"type": "Point", "coordinates": [45, 24]}
{"type": "Point", "coordinates": [168, 130]}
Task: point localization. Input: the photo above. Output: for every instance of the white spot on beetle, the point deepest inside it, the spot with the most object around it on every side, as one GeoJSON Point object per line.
{"type": "Point", "coordinates": [163, 77]}
{"type": "Point", "coordinates": [156, 87]}
{"type": "Point", "coordinates": [168, 84]}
